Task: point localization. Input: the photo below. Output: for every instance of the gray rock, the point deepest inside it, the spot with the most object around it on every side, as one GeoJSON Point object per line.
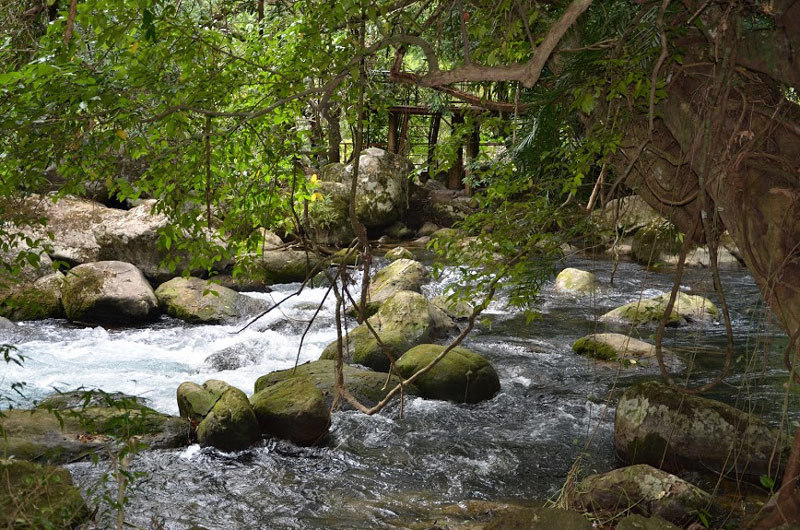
{"type": "Point", "coordinates": [293, 409]}
{"type": "Point", "coordinates": [658, 425]}
{"type": "Point", "coordinates": [201, 302]}
{"type": "Point", "coordinates": [34, 301]}
{"type": "Point", "coordinates": [427, 229]}
{"type": "Point", "coordinates": [108, 292]}
{"type": "Point", "coordinates": [382, 186]}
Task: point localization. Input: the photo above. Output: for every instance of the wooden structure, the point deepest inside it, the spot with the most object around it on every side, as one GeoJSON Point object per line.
{"type": "Point", "coordinates": [398, 137]}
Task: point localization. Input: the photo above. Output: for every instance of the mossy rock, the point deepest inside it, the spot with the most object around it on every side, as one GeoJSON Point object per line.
{"type": "Point", "coordinates": [571, 280]}
{"type": "Point", "coordinates": [398, 230]}
{"type": "Point", "coordinates": [231, 425]}
{"type": "Point", "coordinates": [67, 435]}
{"type": "Point", "coordinates": [462, 376]}
{"type": "Point", "coordinates": [108, 292]}
{"type": "Point", "coordinates": [539, 519]}
{"type": "Point", "coordinates": [659, 425]}
{"type": "Point", "coordinates": [283, 266]}
{"type": "Point", "coordinates": [455, 309]}
{"type": "Point", "coordinates": [36, 496]}
{"type": "Point", "coordinates": [199, 302]}
{"type": "Point", "coordinates": [195, 401]}
{"type": "Point", "coordinates": [615, 348]}
{"type": "Point", "coordinates": [404, 320]}
{"type": "Point", "coordinates": [367, 386]}
{"type": "Point", "coordinates": [645, 490]}
{"type": "Point", "coordinates": [293, 409]}
{"type": "Point", "coordinates": [38, 300]}
{"type": "Point", "coordinates": [399, 253]}
{"type": "Point", "coordinates": [90, 397]}
{"type": "Point", "coordinates": [446, 233]}
{"type": "Point", "coordinates": [400, 275]}
{"type": "Point", "coordinates": [687, 309]}
{"type": "Point", "coordinates": [654, 242]}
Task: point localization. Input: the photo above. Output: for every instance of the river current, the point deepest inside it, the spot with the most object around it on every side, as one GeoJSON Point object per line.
{"type": "Point", "coordinates": [387, 471]}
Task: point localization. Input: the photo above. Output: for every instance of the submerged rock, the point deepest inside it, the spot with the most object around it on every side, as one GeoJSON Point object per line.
{"type": "Point", "coordinates": [687, 309]}
{"type": "Point", "coordinates": [399, 253]}
{"type": "Point", "coordinates": [231, 424]}
{"type": "Point", "coordinates": [366, 386]}
{"type": "Point", "coordinates": [615, 347]}
{"type": "Point", "coordinates": [658, 425]}
{"type": "Point", "coordinates": [461, 376]}
{"type": "Point", "coordinates": [293, 409]}
{"type": "Point", "coordinates": [34, 301]}
{"type": "Point", "coordinates": [403, 320]}
{"type": "Point", "coordinates": [572, 280]}
{"type": "Point", "coordinates": [245, 353]}
{"type": "Point", "coordinates": [108, 292]}
{"type": "Point", "coordinates": [39, 496]}
{"type": "Point", "coordinates": [642, 489]}
{"type": "Point", "coordinates": [200, 302]}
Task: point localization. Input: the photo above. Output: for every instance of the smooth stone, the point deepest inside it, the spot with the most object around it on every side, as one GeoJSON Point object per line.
{"type": "Point", "coordinates": [231, 425]}
{"type": "Point", "coordinates": [615, 348]}
{"type": "Point", "coordinates": [200, 302]}
{"type": "Point", "coordinates": [399, 253]}
{"type": "Point", "coordinates": [687, 309]}
{"type": "Point", "coordinates": [293, 409]}
{"type": "Point", "coordinates": [571, 280]}
{"type": "Point", "coordinates": [38, 300]}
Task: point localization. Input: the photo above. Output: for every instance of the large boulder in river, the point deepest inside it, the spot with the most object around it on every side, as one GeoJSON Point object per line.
{"type": "Point", "coordinates": [627, 214]}
{"type": "Point", "coordinates": [282, 266]}
{"type": "Point", "coordinates": [657, 239]}
{"type": "Point", "coordinates": [687, 309]}
{"type": "Point", "coordinates": [329, 217]}
{"type": "Point", "coordinates": [400, 275]}
{"type": "Point", "coordinates": [33, 301]}
{"type": "Point", "coordinates": [571, 280]}
{"type": "Point", "coordinates": [108, 292]}
{"type": "Point", "coordinates": [382, 186]}
{"type": "Point", "coordinates": [615, 347]}
{"type": "Point", "coordinates": [223, 415]}
{"type": "Point", "coordinates": [293, 409]}
{"type": "Point", "coordinates": [39, 496]}
{"type": "Point", "coordinates": [461, 375]}
{"type": "Point", "coordinates": [403, 320]}
{"type": "Point", "coordinates": [200, 302]}
{"type": "Point", "coordinates": [642, 489]}
{"type": "Point", "coordinates": [658, 425]}
{"type": "Point", "coordinates": [367, 386]}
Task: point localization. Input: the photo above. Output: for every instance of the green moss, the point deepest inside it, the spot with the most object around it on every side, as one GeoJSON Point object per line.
{"type": "Point", "coordinates": [592, 348]}
{"type": "Point", "coordinates": [33, 496]}
{"type": "Point", "coordinates": [231, 425]}
{"type": "Point", "coordinates": [461, 376]}
{"type": "Point", "coordinates": [194, 401]}
{"type": "Point", "coordinates": [293, 409]}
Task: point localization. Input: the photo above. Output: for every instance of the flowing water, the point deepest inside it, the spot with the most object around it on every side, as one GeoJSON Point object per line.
{"type": "Point", "coordinates": [384, 470]}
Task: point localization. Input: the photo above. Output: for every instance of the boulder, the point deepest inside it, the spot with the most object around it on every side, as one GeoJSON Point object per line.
{"type": "Point", "coordinates": [196, 401]}
{"type": "Point", "coordinates": [382, 186]}
{"type": "Point", "coordinates": [399, 253]}
{"type": "Point", "coordinates": [200, 302]}
{"type": "Point", "coordinates": [658, 425]}
{"type": "Point", "coordinates": [33, 301]}
{"type": "Point", "coordinates": [399, 230]}
{"type": "Point", "coordinates": [39, 496]}
{"type": "Point", "coordinates": [77, 432]}
{"type": "Point", "coordinates": [627, 214]}
{"type": "Point", "coordinates": [400, 275]}
{"type": "Point", "coordinates": [615, 347]}
{"type": "Point", "coordinates": [427, 229]}
{"type": "Point", "coordinates": [642, 489]}
{"type": "Point", "coordinates": [455, 309]}
{"type": "Point", "coordinates": [293, 409]}
{"type": "Point", "coordinates": [7, 325]}
{"type": "Point", "coordinates": [329, 218]}
{"type": "Point", "coordinates": [367, 386]}
{"type": "Point", "coordinates": [32, 263]}
{"type": "Point", "coordinates": [282, 266]}
{"type": "Point", "coordinates": [446, 233]}
{"type": "Point", "coordinates": [652, 243]}
{"type": "Point", "coordinates": [572, 280]}
{"type": "Point", "coordinates": [230, 425]}
{"type": "Point", "coordinates": [687, 309]}
{"type": "Point", "coordinates": [462, 376]}
{"type": "Point", "coordinates": [108, 292]}
{"type": "Point", "coordinates": [403, 320]}
{"type": "Point", "coordinates": [242, 354]}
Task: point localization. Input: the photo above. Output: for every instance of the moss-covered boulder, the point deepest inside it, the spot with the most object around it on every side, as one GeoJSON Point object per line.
{"type": "Point", "coordinates": [687, 309]}
{"type": "Point", "coordinates": [571, 280]}
{"type": "Point", "coordinates": [293, 409]}
{"type": "Point", "coordinates": [39, 496]}
{"type": "Point", "coordinates": [615, 347]}
{"type": "Point", "coordinates": [108, 292]}
{"type": "Point", "coordinates": [462, 376]}
{"type": "Point", "coordinates": [65, 435]}
{"type": "Point", "coordinates": [399, 253]}
{"type": "Point", "coordinates": [329, 217]}
{"type": "Point", "coordinates": [367, 386]}
{"type": "Point", "coordinates": [403, 320]}
{"type": "Point", "coordinates": [400, 275]}
{"type": "Point", "coordinates": [455, 309]}
{"type": "Point", "coordinates": [283, 266]}
{"type": "Point", "coordinates": [654, 242]}
{"type": "Point", "coordinates": [231, 425]}
{"type": "Point", "coordinates": [200, 302]}
{"type": "Point", "coordinates": [33, 301]}
{"type": "Point", "coordinates": [658, 425]}
{"type": "Point", "coordinates": [196, 401]}
{"type": "Point", "coordinates": [382, 186]}
{"type": "Point", "coordinates": [642, 489]}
